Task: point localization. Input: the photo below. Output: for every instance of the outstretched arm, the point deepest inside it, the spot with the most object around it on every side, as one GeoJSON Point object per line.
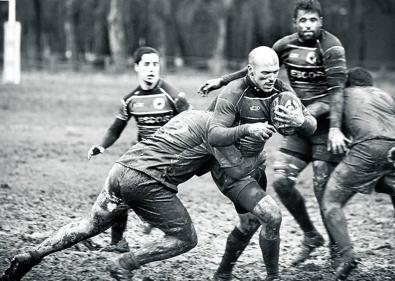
{"type": "Point", "coordinates": [110, 136]}
{"type": "Point", "coordinates": [217, 83]}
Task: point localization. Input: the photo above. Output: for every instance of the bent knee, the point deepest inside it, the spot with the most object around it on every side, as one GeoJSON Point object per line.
{"type": "Point", "coordinates": [187, 238]}
{"type": "Point", "coordinates": [268, 212]}
{"type": "Point", "coordinates": [283, 184]}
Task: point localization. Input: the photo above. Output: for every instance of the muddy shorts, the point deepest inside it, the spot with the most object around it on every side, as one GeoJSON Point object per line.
{"type": "Point", "coordinates": [244, 193]}
{"type": "Point", "coordinates": [153, 202]}
{"type": "Point", "coordinates": [364, 165]}
{"type": "Point", "coordinates": [314, 148]}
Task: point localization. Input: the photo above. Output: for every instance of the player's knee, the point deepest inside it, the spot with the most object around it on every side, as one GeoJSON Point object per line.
{"type": "Point", "coordinates": [188, 238]}
{"type": "Point", "coordinates": [283, 183]}
{"type": "Point", "coordinates": [269, 213]}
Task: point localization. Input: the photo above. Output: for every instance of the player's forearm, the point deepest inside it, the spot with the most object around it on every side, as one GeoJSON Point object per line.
{"type": "Point", "coordinates": [113, 133]}
{"type": "Point", "coordinates": [336, 111]}
{"type": "Point", "coordinates": [225, 79]}
{"type": "Point", "coordinates": [308, 127]}
{"type": "Point", "coordinates": [223, 136]}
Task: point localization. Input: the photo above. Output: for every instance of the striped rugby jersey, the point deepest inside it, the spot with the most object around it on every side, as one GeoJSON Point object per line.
{"type": "Point", "coordinates": [150, 108]}
{"type": "Point", "coordinates": [313, 69]}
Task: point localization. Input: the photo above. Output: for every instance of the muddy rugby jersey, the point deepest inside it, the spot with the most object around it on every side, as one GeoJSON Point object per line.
{"type": "Point", "coordinates": [369, 113]}
{"type": "Point", "coordinates": [150, 108]}
{"type": "Point", "coordinates": [241, 102]}
{"type": "Point", "coordinates": [177, 150]}
{"type": "Point", "coordinates": [315, 69]}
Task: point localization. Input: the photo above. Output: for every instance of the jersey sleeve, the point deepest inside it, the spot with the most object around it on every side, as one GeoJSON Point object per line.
{"type": "Point", "coordinates": [177, 97]}
{"type": "Point", "coordinates": [221, 130]}
{"type": "Point", "coordinates": [309, 125]}
{"type": "Point", "coordinates": [227, 78]}
{"type": "Point", "coordinates": [123, 111]}
{"type": "Point", "coordinates": [334, 62]}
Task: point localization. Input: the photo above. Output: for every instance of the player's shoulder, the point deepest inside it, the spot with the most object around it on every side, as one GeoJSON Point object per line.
{"type": "Point", "coordinates": [234, 90]}
{"type": "Point", "coordinates": [285, 41]}
{"type": "Point", "coordinates": [328, 40]}
{"type": "Point", "coordinates": [167, 87]}
{"type": "Point", "coordinates": [129, 96]}
{"type": "Point", "coordinates": [281, 86]}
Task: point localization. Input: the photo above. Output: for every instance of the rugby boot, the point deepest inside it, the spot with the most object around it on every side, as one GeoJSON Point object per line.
{"type": "Point", "coordinates": [345, 268]}
{"type": "Point", "coordinates": [121, 247]}
{"type": "Point", "coordinates": [118, 272]}
{"type": "Point", "coordinates": [92, 246]}
{"type": "Point", "coordinates": [273, 277]}
{"type": "Point", "coordinates": [311, 241]}
{"type": "Point", "coordinates": [222, 276]}
{"type": "Point", "coordinates": [20, 265]}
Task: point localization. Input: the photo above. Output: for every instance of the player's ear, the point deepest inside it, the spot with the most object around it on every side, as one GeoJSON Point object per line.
{"type": "Point", "coordinates": [321, 21]}
{"type": "Point", "coordinates": [249, 69]}
{"type": "Point", "coordinates": [136, 67]}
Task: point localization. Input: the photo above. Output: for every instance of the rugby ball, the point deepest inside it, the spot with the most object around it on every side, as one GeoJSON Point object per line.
{"type": "Point", "coordinates": [288, 100]}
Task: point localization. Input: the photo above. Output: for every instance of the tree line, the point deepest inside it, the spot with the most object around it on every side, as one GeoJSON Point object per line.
{"type": "Point", "coordinates": [200, 33]}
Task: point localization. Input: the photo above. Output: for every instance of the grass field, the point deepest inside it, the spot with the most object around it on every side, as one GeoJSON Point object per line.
{"type": "Point", "coordinates": [47, 125]}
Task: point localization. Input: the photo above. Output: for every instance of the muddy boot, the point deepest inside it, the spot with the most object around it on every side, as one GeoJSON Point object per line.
{"type": "Point", "coordinates": [118, 272]}
{"type": "Point", "coordinates": [311, 241]}
{"type": "Point", "coordinates": [222, 276]}
{"type": "Point", "coordinates": [346, 262]}
{"type": "Point", "coordinates": [20, 265]}
{"type": "Point", "coordinates": [120, 247]}
{"type": "Point", "coordinates": [92, 246]}
{"type": "Point", "coordinates": [273, 277]}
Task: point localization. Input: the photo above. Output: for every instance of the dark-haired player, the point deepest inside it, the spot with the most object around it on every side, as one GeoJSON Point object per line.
{"type": "Point", "coordinates": [369, 118]}
{"type": "Point", "coordinates": [242, 102]}
{"type": "Point", "coordinates": [316, 67]}
{"type": "Point", "coordinates": [152, 104]}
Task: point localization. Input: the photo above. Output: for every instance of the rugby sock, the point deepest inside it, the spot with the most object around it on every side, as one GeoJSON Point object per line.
{"type": "Point", "coordinates": [235, 244]}
{"type": "Point", "coordinates": [118, 228]}
{"type": "Point", "coordinates": [270, 252]}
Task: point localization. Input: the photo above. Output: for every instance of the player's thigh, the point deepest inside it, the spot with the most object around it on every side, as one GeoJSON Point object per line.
{"type": "Point", "coordinates": [362, 167]}
{"type": "Point", "coordinates": [155, 203]}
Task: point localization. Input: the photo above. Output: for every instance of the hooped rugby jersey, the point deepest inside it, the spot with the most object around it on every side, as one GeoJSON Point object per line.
{"type": "Point", "coordinates": [314, 69]}
{"type": "Point", "coordinates": [241, 102]}
{"type": "Point", "coordinates": [150, 108]}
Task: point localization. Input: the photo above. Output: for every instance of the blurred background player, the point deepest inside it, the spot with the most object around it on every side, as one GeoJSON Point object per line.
{"type": "Point", "coordinates": [369, 118]}
{"type": "Point", "coordinates": [243, 102]}
{"type": "Point", "coordinates": [153, 103]}
{"type": "Point", "coordinates": [316, 67]}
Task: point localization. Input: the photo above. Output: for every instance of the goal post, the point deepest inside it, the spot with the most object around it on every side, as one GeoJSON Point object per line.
{"type": "Point", "coordinates": [12, 46]}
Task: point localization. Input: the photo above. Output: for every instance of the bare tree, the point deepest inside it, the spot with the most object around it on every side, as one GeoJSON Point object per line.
{"type": "Point", "coordinates": [117, 34]}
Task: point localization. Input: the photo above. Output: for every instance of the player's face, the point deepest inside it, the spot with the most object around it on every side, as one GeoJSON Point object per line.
{"type": "Point", "coordinates": [264, 75]}
{"type": "Point", "coordinates": [308, 24]}
{"type": "Point", "coordinates": [148, 69]}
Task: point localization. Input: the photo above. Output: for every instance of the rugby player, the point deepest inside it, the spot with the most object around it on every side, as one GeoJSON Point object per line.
{"type": "Point", "coordinates": [369, 118]}
{"type": "Point", "coordinates": [153, 103]}
{"type": "Point", "coordinates": [145, 179]}
{"type": "Point", "coordinates": [244, 101]}
{"type": "Point", "coordinates": [316, 68]}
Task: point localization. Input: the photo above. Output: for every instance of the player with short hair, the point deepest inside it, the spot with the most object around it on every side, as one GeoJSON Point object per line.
{"type": "Point", "coordinates": [153, 103]}
{"type": "Point", "coordinates": [316, 68]}
{"type": "Point", "coordinates": [369, 118]}
{"type": "Point", "coordinates": [242, 102]}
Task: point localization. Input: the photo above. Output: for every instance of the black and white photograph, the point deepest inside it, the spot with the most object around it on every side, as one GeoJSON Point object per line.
{"type": "Point", "coordinates": [197, 140]}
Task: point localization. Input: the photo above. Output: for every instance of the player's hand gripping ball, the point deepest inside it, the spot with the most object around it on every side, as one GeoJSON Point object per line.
{"type": "Point", "coordinates": [286, 113]}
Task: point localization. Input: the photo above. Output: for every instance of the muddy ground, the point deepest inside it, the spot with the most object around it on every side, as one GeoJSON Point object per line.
{"type": "Point", "coordinates": [47, 125]}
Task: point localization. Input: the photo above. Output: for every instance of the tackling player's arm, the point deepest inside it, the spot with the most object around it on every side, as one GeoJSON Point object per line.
{"type": "Point", "coordinates": [216, 83]}
{"type": "Point", "coordinates": [334, 61]}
